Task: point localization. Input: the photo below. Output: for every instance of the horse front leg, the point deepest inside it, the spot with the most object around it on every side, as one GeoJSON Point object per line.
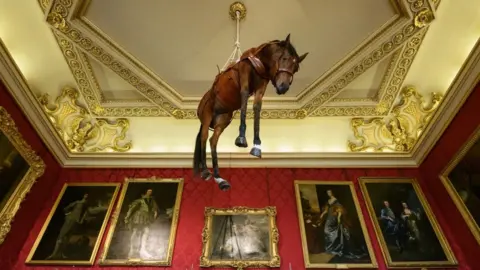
{"type": "Point", "coordinates": [257, 143]}
{"type": "Point", "coordinates": [241, 140]}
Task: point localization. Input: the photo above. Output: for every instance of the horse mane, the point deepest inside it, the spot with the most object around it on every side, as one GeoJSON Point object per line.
{"type": "Point", "coordinates": [291, 49]}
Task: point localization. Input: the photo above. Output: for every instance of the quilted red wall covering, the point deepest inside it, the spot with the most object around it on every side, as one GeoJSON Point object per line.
{"type": "Point", "coordinates": [40, 192]}
{"type": "Point", "coordinates": [466, 248]}
{"type": "Point", "coordinates": [251, 187]}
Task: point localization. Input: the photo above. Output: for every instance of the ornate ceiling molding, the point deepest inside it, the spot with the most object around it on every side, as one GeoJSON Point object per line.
{"type": "Point", "coordinates": [66, 17]}
{"type": "Point", "coordinates": [80, 132]}
{"type": "Point", "coordinates": [462, 86]}
{"type": "Point", "coordinates": [89, 88]}
{"type": "Point", "coordinates": [390, 87]}
{"type": "Point", "coordinates": [399, 131]}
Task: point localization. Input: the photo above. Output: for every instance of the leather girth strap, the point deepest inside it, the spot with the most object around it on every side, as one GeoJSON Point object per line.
{"type": "Point", "coordinates": [257, 64]}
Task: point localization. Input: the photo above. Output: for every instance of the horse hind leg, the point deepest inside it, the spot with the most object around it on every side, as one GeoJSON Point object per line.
{"type": "Point", "coordinates": [221, 122]}
{"type": "Point", "coordinates": [205, 172]}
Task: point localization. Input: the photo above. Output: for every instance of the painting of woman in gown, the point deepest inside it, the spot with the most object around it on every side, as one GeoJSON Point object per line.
{"type": "Point", "coordinates": [333, 230]}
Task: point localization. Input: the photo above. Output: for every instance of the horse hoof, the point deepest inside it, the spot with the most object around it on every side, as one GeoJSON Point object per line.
{"type": "Point", "coordinates": [206, 175]}
{"type": "Point", "coordinates": [224, 186]}
{"type": "Point", "coordinates": [256, 152]}
{"type": "Point", "coordinates": [241, 142]}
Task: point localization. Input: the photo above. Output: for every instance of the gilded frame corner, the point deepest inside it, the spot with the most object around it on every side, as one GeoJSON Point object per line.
{"type": "Point", "coordinates": [269, 211]}
{"type": "Point", "coordinates": [447, 183]}
{"type": "Point", "coordinates": [361, 218]}
{"type": "Point", "coordinates": [35, 171]}
{"type": "Point", "coordinates": [96, 247]}
{"type": "Point", "coordinates": [451, 260]}
{"type": "Point", "coordinates": [114, 222]}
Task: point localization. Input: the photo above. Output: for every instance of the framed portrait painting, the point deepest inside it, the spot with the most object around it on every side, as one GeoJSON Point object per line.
{"type": "Point", "coordinates": [72, 233]}
{"type": "Point", "coordinates": [143, 228]}
{"type": "Point", "coordinates": [20, 167]}
{"type": "Point", "coordinates": [407, 230]}
{"type": "Point", "coordinates": [461, 178]}
{"type": "Point", "coordinates": [332, 227]}
{"type": "Point", "coordinates": [240, 237]}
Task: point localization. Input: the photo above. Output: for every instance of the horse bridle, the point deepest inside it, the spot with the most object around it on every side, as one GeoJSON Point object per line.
{"type": "Point", "coordinates": [260, 67]}
{"type": "Point", "coordinates": [280, 70]}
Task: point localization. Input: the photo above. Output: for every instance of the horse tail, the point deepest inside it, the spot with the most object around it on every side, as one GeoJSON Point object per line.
{"type": "Point", "coordinates": [197, 155]}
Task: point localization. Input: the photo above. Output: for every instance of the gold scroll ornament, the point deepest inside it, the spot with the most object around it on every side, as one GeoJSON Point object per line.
{"type": "Point", "coordinates": [400, 130]}
{"type": "Point", "coordinates": [79, 130]}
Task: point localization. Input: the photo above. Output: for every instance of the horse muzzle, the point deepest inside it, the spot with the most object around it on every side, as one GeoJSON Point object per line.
{"type": "Point", "coordinates": [282, 88]}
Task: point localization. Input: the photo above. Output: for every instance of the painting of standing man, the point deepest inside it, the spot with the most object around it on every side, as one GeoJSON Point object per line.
{"type": "Point", "coordinates": [144, 230]}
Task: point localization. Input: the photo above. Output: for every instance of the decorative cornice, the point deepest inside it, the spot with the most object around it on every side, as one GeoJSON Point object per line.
{"type": "Point", "coordinates": [398, 132]}
{"type": "Point", "coordinates": [460, 89]}
{"type": "Point", "coordinates": [72, 25]}
{"type": "Point", "coordinates": [80, 132]}
{"type": "Point", "coordinates": [453, 100]}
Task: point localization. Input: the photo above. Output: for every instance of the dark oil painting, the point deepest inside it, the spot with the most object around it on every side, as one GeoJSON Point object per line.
{"type": "Point", "coordinates": [405, 224]}
{"type": "Point", "coordinates": [240, 237]}
{"type": "Point", "coordinates": [146, 223]}
{"type": "Point", "coordinates": [332, 230]}
{"type": "Point", "coordinates": [13, 168]}
{"type": "Point", "coordinates": [72, 233]}
{"type": "Point", "coordinates": [465, 179]}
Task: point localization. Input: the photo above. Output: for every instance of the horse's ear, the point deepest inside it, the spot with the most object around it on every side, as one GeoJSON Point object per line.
{"type": "Point", "coordinates": [287, 40]}
{"type": "Point", "coordinates": [300, 59]}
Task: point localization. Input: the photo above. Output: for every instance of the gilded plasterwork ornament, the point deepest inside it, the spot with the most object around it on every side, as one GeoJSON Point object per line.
{"type": "Point", "coordinates": [79, 130]}
{"type": "Point", "coordinates": [400, 130]}
{"type": "Point", "coordinates": [423, 18]}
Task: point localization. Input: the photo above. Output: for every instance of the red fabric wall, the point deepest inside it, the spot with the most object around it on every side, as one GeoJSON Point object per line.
{"type": "Point", "coordinates": [250, 187]}
{"type": "Point", "coordinates": [462, 127]}
{"type": "Point", "coordinates": [40, 192]}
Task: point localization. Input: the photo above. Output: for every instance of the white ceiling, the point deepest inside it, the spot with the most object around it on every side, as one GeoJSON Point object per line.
{"type": "Point", "coordinates": [183, 41]}
{"type": "Point", "coordinates": [174, 40]}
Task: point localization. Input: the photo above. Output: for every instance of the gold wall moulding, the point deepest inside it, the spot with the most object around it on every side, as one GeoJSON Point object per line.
{"type": "Point", "coordinates": [400, 130]}
{"type": "Point", "coordinates": [35, 170]}
{"type": "Point", "coordinates": [79, 130]}
{"type": "Point", "coordinates": [423, 18]}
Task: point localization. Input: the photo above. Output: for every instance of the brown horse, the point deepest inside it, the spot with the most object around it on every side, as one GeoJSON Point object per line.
{"type": "Point", "coordinates": [275, 61]}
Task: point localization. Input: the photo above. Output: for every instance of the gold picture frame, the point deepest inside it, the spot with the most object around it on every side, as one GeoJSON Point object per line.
{"type": "Point", "coordinates": [35, 171]}
{"type": "Point", "coordinates": [362, 230]}
{"type": "Point", "coordinates": [130, 190]}
{"type": "Point", "coordinates": [444, 176]}
{"type": "Point", "coordinates": [440, 244]}
{"type": "Point", "coordinates": [106, 192]}
{"type": "Point", "coordinates": [269, 216]}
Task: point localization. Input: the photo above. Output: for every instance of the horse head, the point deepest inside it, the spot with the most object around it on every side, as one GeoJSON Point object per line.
{"type": "Point", "coordinates": [284, 63]}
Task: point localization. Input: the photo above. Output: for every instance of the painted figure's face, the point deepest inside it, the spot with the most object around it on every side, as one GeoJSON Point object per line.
{"type": "Point", "coordinates": [148, 193]}
{"type": "Point", "coordinates": [386, 203]}
{"type": "Point", "coordinates": [405, 205]}
{"type": "Point", "coordinates": [329, 193]}
{"type": "Point", "coordinates": [85, 196]}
